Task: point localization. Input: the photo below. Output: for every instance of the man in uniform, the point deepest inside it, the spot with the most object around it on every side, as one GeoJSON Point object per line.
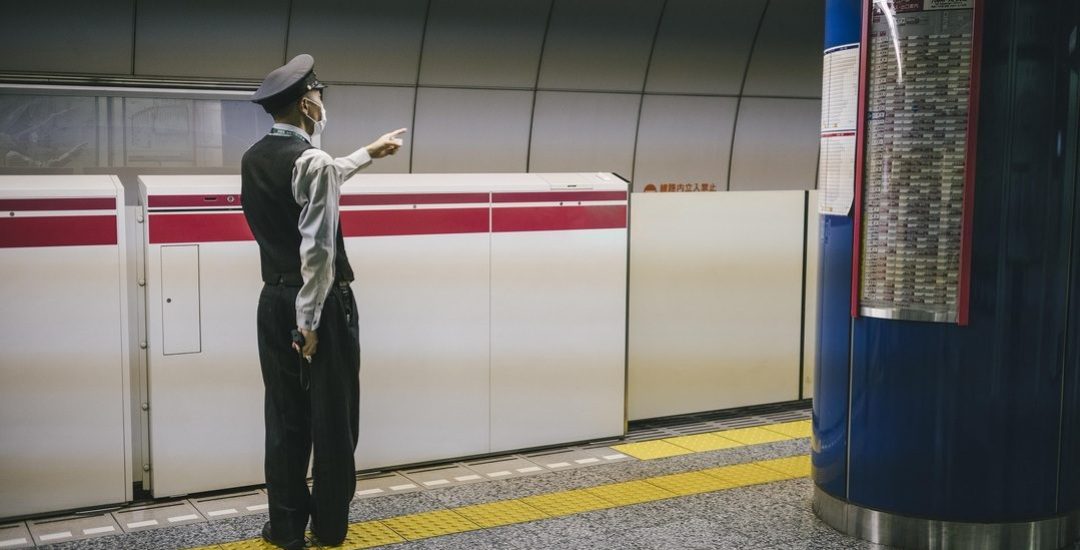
{"type": "Point", "coordinates": [290, 192]}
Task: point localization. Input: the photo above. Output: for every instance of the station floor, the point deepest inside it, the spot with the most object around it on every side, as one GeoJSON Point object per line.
{"type": "Point", "coordinates": [734, 480]}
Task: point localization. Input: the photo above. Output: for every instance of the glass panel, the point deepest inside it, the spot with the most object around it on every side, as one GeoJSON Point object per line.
{"type": "Point", "coordinates": [75, 134]}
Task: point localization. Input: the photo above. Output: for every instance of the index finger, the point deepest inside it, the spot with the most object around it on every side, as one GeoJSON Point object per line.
{"type": "Point", "coordinates": [397, 133]}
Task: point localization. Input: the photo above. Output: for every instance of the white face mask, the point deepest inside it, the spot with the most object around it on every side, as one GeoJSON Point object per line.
{"type": "Point", "coordinates": [320, 124]}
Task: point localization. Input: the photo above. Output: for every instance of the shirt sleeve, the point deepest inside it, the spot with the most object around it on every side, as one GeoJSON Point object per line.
{"type": "Point", "coordinates": [352, 163]}
{"type": "Point", "coordinates": [316, 187]}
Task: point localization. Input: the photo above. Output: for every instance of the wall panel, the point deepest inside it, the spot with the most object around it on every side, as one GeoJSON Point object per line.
{"type": "Point", "coordinates": [776, 145]}
{"type": "Point", "coordinates": [363, 113]}
{"type": "Point", "coordinates": [684, 139]}
{"type": "Point", "coordinates": [584, 132]}
{"type": "Point", "coordinates": [715, 291]}
{"type": "Point", "coordinates": [471, 130]}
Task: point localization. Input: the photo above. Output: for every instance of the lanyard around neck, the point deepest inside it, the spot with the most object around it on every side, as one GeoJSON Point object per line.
{"type": "Point", "coordinates": [288, 133]}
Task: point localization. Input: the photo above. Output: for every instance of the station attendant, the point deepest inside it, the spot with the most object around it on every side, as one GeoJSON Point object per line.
{"type": "Point", "coordinates": [290, 194]}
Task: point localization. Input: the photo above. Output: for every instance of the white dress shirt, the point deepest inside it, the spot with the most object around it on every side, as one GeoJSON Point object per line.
{"type": "Point", "coordinates": [316, 187]}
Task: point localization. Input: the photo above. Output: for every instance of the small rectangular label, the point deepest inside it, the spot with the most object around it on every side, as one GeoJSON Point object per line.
{"type": "Point", "coordinates": [12, 542]}
{"type": "Point", "coordinates": [402, 487]}
{"type": "Point", "coordinates": [187, 517]}
{"type": "Point", "coordinates": [468, 478]}
{"type": "Point", "coordinates": [587, 460]}
{"type": "Point", "coordinates": [137, 524]}
{"type": "Point", "coordinates": [614, 456]}
{"type": "Point", "coordinates": [55, 536]}
{"type": "Point", "coordinates": [368, 492]}
{"type": "Point", "coordinates": [529, 469]}
{"type": "Point", "coordinates": [216, 513]}
{"type": "Point", "coordinates": [98, 530]}
{"type": "Point", "coordinates": [255, 507]}
{"type": "Point", "coordinates": [558, 465]}
{"type": "Point", "coordinates": [436, 482]}
{"type": "Point", "coordinates": [500, 473]}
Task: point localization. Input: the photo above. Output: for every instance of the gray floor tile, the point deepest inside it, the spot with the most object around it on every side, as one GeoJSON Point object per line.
{"type": "Point", "coordinates": [552, 482]}
{"type": "Point", "coordinates": [475, 493]}
{"type": "Point", "coordinates": [693, 533]}
{"type": "Point", "coordinates": [796, 492]}
{"type": "Point", "coordinates": [778, 524]}
{"type": "Point", "coordinates": [553, 533]}
{"type": "Point", "coordinates": [627, 518]}
{"type": "Point", "coordinates": [389, 506]}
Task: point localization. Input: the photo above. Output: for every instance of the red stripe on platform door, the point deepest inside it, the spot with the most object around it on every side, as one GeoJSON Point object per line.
{"type": "Point", "coordinates": [560, 196]}
{"type": "Point", "coordinates": [434, 221]}
{"type": "Point", "coordinates": [67, 203]}
{"type": "Point", "coordinates": [196, 228]}
{"type": "Point", "coordinates": [402, 198]}
{"type": "Point", "coordinates": [57, 231]}
{"type": "Point", "coordinates": [558, 218]}
{"type": "Point", "coordinates": [193, 201]}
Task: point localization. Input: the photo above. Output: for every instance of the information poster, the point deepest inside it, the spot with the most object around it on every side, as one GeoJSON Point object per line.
{"type": "Point", "coordinates": [839, 115]}
{"type": "Point", "coordinates": [918, 96]}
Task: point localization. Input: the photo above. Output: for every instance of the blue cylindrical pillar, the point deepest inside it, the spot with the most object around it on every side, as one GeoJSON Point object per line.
{"type": "Point", "coordinates": [939, 435]}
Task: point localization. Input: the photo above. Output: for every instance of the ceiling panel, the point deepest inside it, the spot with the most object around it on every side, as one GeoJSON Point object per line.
{"type": "Point", "coordinates": [359, 40]}
{"type": "Point", "coordinates": [787, 56]}
{"type": "Point", "coordinates": [703, 46]}
{"type": "Point", "coordinates": [484, 42]}
{"type": "Point", "coordinates": [209, 38]}
{"type": "Point", "coordinates": [599, 44]}
{"type": "Point", "coordinates": [67, 36]}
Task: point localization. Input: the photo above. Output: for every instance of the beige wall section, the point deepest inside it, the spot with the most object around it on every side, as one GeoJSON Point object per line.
{"type": "Point", "coordinates": [776, 144]}
{"type": "Point", "coordinates": [471, 130]}
{"type": "Point", "coordinates": [584, 132]}
{"type": "Point", "coordinates": [715, 293]}
{"type": "Point", "coordinates": [810, 312]}
{"type": "Point", "coordinates": [684, 139]}
{"type": "Point", "coordinates": [362, 113]}
{"type": "Point", "coordinates": [489, 79]}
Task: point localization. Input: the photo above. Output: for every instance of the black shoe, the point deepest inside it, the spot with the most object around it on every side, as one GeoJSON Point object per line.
{"type": "Point", "coordinates": [296, 544]}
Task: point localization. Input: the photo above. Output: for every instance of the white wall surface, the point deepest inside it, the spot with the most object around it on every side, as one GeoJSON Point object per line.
{"type": "Point", "coordinates": [715, 301]}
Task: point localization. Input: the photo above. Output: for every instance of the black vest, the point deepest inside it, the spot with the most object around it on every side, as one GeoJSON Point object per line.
{"type": "Point", "coordinates": [272, 213]}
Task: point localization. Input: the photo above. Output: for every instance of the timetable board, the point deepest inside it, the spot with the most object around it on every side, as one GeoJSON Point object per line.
{"type": "Point", "coordinates": [916, 174]}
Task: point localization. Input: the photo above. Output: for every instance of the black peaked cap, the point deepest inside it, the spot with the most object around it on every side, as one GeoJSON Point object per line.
{"type": "Point", "coordinates": [287, 83]}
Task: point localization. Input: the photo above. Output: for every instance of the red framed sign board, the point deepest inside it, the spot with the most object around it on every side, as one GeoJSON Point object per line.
{"type": "Point", "coordinates": [915, 159]}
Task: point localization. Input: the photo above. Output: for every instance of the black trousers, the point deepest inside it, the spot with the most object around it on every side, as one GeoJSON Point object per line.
{"type": "Point", "coordinates": [306, 405]}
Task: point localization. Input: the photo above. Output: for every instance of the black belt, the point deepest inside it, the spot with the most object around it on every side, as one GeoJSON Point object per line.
{"type": "Point", "coordinates": [295, 279]}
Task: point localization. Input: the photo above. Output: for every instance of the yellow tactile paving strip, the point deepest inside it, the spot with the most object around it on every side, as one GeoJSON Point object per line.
{"type": "Point", "coordinates": [430, 524]}
{"type": "Point", "coordinates": [650, 450]}
{"type": "Point", "coordinates": [496, 514]}
{"type": "Point", "coordinates": [567, 503]}
{"type": "Point", "coordinates": [714, 441]}
{"type": "Point", "coordinates": [370, 534]}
